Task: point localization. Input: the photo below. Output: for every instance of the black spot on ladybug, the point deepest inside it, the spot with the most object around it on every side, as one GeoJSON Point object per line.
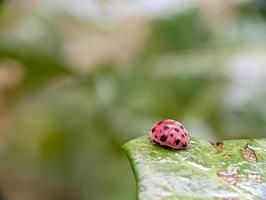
{"type": "Point", "coordinates": [181, 126]}
{"type": "Point", "coordinates": [159, 122]}
{"type": "Point", "coordinates": [163, 138]}
{"type": "Point", "coordinates": [186, 134]}
{"type": "Point", "coordinates": [153, 129]}
{"type": "Point", "coordinates": [165, 128]}
{"type": "Point", "coordinates": [171, 134]}
{"type": "Point", "coordinates": [176, 129]}
{"type": "Point", "coordinates": [169, 143]}
{"type": "Point", "coordinates": [177, 141]}
{"type": "Point", "coordinates": [156, 136]}
{"type": "Point", "coordinates": [182, 135]}
{"type": "Point", "coordinates": [185, 144]}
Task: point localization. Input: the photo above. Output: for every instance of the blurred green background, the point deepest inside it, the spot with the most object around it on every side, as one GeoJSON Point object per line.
{"type": "Point", "coordinates": [80, 78]}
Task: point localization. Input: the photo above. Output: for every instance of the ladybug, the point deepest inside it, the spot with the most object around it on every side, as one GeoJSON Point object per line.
{"type": "Point", "coordinates": [170, 133]}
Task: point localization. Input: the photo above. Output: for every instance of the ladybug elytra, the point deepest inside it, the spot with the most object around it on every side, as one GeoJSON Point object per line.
{"type": "Point", "coordinates": [170, 133]}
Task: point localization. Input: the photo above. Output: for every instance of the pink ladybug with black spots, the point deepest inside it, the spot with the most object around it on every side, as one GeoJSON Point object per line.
{"type": "Point", "coordinates": [170, 133]}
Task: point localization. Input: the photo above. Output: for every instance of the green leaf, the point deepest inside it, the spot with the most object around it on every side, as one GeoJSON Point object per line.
{"type": "Point", "coordinates": [233, 169]}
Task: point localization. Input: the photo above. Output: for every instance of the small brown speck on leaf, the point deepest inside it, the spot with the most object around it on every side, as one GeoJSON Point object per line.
{"type": "Point", "coordinates": [218, 145]}
{"type": "Point", "coordinates": [229, 176]}
{"type": "Point", "coordinates": [248, 154]}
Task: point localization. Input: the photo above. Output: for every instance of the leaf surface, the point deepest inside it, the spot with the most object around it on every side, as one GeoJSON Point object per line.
{"type": "Point", "coordinates": [233, 169]}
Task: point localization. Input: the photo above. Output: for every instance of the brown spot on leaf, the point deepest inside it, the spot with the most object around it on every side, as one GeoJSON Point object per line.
{"type": "Point", "coordinates": [229, 176]}
{"type": "Point", "coordinates": [254, 177]}
{"type": "Point", "coordinates": [218, 145]}
{"type": "Point", "coordinates": [248, 154]}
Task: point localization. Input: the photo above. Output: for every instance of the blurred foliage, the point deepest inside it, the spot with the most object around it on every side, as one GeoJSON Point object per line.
{"type": "Point", "coordinates": [253, 9]}
{"type": "Point", "coordinates": [39, 68]}
{"type": "Point", "coordinates": [181, 32]}
{"type": "Point", "coordinates": [262, 7]}
{"type": "Point", "coordinates": [63, 119]}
